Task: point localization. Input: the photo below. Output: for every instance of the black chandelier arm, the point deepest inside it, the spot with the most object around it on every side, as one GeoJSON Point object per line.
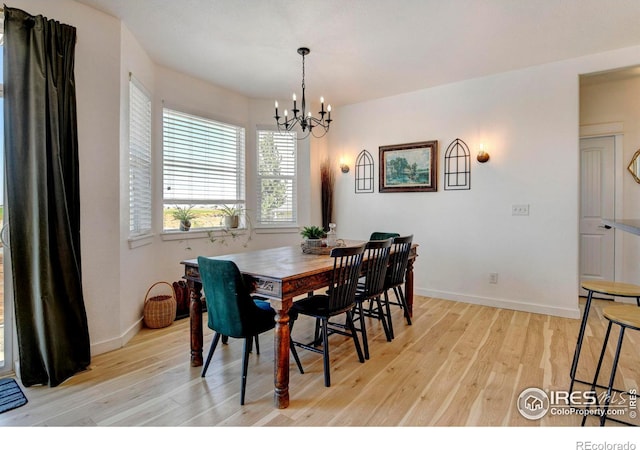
{"type": "Point", "coordinates": [320, 122]}
{"type": "Point", "coordinates": [325, 130]}
{"type": "Point", "coordinates": [302, 135]}
{"type": "Point", "coordinates": [305, 122]}
{"type": "Point", "coordinates": [289, 124]}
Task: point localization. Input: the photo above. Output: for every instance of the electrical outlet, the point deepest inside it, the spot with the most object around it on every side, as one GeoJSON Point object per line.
{"type": "Point", "coordinates": [493, 278]}
{"type": "Point", "coordinates": [519, 210]}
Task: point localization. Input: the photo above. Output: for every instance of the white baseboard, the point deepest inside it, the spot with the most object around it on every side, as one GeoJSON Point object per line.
{"type": "Point", "coordinates": [98, 348]}
{"type": "Point", "coordinates": [571, 313]}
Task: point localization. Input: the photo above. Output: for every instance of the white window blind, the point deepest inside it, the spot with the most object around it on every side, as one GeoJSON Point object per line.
{"type": "Point", "coordinates": [203, 162]}
{"type": "Point", "coordinates": [276, 180]}
{"type": "Point", "coordinates": [139, 160]}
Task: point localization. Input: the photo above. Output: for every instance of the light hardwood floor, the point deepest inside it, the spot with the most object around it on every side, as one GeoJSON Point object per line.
{"type": "Point", "coordinates": [457, 365]}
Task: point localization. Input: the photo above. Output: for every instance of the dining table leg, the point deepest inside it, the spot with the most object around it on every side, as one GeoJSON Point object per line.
{"type": "Point", "coordinates": [195, 322]}
{"type": "Point", "coordinates": [282, 337]}
{"type": "Point", "coordinates": [408, 287]}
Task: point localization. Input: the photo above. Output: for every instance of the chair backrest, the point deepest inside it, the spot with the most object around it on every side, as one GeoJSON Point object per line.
{"type": "Point", "coordinates": [376, 259]}
{"type": "Point", "coordinates": [347, 262]}
{"type": "Point", "coordinates": [230, 308]}
{"type": "Point", "coordinates": [382, 235]}
{"type": "Point", "coordinates": [398, 261]}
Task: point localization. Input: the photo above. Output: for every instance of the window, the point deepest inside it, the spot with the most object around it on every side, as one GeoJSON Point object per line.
{"type": "Point", "coordinates": [276, 181]}
{"type": "Point", "coordinates": [139, 160]}
{"type": "Point", "coordinates": [203, 168]}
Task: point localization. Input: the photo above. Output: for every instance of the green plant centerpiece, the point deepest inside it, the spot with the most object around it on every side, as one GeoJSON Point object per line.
{"type": "Point", "coordinates": [313, 235]}
{"type": "Point", "coordinates": [184, 214]}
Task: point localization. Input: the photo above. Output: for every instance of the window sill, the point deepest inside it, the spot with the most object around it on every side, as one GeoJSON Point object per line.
{"type": "Point", "coordinates": [140, 241]}
{"type": "Point", "coordinates": [196, 234]}
{"type": "Point", "coordinates": [204, 233]}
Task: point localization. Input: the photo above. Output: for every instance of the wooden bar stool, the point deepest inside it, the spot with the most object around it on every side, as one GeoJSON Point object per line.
{"type": "Point", "coordinates": [600, 287]}
{"type": "Point", "coordinates": [626, 316]}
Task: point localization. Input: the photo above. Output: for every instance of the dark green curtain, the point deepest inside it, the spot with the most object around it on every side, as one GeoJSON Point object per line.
{"type": "Point", "coordinates": [43, 197]}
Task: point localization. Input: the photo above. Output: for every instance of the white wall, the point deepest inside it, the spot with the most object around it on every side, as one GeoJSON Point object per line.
{"type": "Point", "coordinates": [529, 120]}
{"type": "Point", "coordinates": [619, 102]}
{"type": "Point", "coordinates": [136, 265]}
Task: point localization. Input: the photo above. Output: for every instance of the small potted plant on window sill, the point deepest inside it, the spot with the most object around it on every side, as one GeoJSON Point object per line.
{"type": "Point", "coordinates": [184, 215]}
{"type": "Point", "coordinates": [231, 216]}
{"type": "Point", "coordinates": [313, 235]}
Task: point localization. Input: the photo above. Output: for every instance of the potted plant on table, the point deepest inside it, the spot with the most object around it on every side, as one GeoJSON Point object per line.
{"type": "Point", "coordinates": [313, 235]}
{"type": "Point", "coordinates": [184, 214]}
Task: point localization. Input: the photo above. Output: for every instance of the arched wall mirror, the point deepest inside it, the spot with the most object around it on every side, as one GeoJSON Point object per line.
{"type": "Point", "coordinates": [634, 166]}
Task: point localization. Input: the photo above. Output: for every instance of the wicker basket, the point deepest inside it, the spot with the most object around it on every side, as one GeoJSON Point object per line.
{"type": "Point", "coordinates": [159, 310]}
{"type": "Point", "coordinates": [313, 250]}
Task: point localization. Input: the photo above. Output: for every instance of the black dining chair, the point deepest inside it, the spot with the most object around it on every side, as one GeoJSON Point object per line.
{"type": "Point", "coordinates": [395, 278]}
{"type": "Point", "coordinates": [371, 288]}
{"type": "Point", "coordinates": [232, 312]}
{"type": "Point", "coordinates": [339, 299]}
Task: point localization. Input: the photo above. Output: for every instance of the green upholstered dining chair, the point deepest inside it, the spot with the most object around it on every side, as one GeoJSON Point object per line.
{"type": "Point", "coordinates": [395, 277]}
{"type": "Point", "coordinates": [232, 311]}
{"type": "Point", "coordinates": [382, 235]}
{"type": "Point", "coordinates": [339, 300]}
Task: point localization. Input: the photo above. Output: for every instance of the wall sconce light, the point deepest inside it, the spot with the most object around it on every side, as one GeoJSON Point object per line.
{"type": "Point", "coordinates": [344, 167]}
{"type": "Point", "coordinates": [483, 156]}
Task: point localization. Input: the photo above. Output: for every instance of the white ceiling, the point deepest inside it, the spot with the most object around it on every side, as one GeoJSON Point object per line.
{"type": "Point", "coordinates": [365, 49]}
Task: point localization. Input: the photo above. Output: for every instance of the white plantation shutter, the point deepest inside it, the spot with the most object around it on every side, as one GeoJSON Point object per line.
{"type": "Point", "coordinates": [276, 180]}
{"type": "Point", "coordinates": [203, 161]}
{"type": "Point", "coordinates": [139, 160]}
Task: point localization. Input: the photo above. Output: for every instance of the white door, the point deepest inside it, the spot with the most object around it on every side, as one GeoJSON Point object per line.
{"type": "Point", "coordinates": [597, 201]}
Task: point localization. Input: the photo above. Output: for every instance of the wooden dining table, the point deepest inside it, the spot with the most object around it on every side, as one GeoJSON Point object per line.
{"type": "Point", "coordinates": [280, 274]}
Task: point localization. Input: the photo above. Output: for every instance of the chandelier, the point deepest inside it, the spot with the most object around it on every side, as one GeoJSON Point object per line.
{"type": "Point", "coordinates": [307, 122]}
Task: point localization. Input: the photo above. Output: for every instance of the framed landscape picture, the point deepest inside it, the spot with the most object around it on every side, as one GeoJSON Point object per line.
{"type": "Point", "coordinates": [409, 167]}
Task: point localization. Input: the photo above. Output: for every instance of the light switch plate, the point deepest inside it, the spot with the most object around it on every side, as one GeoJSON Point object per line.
{"type": "Point", "coordinates": [519, 210]}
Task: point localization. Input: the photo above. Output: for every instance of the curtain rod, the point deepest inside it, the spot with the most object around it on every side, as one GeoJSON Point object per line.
{"type": "Point", "coordinates": [2, 25]}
